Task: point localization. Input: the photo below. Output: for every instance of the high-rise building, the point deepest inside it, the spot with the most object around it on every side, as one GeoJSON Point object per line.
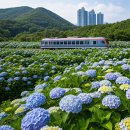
{"type": "Point", "coordinates": [92, 17]}
{"type": "Point", "coordinates": [82, 17]}
{"type": "Point", "coordinates": [100, 18]}
{"type": "Point", "coordinates": [86, 18]}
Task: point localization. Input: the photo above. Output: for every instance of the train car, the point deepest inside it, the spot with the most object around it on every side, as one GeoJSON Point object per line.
{"type": "Point", "coordinates": [72, 42]}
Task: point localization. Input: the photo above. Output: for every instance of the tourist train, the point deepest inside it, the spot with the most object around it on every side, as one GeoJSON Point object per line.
{"type": "Point", "coordinates": [73, 42]}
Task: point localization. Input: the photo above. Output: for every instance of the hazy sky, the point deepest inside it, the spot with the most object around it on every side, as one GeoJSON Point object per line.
{"type": "Point", "coordinates": [114, 10]}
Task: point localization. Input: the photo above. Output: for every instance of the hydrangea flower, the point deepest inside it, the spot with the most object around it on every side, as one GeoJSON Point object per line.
{"type": "Point", "coordinates": [3, 74]}
{"type": "Point", "coordinates": [128, 94]}
{"type": "Point", "coordinates": [35, 76]}
{"type": "Point", "coordinates": [57, 93]}
{"type": "Point", "coordinates": [105, 83]}
{"type": "Point", "coordinates": [41, 86]}
{"type": "Point", "coordinates": [10, 80]}
{"type": "Point", "coordinates": [111, 101]}
{"type": "Point", "coordinates": [51, 128]}
{"type": "Point", "coordinates": [95, 84]}
{"type": "Point", "coordinates": [125, 124]}
{"type": "Point", "coordinates": [46, 78]}
{"type": "Point", "coordinates": [124, 87]}
{"type": "Point", "coordinates": [105, 89]}
{"type": "Point", "coordinates": [2, 79]}
{"type": "Point", "coordinates": [2, 115]}
{"type": "Point", "coordinates": [71, 103]}
{"type": "Point", "coordinates": [35, 119]}
{"type": "Point", "coordinates": [118, 74]}
{"type": "Point", "coordinates": [17, 78]}
{"type": "Point", "coordinates": [122, 80]}
{"type": "Point", "coordinates": [35, 100]}
{"type": "Point", "coordinates": [125, 67]}
{"type": "Point", "coordinates": [78, 68]}
{"type": "Point", "coordinates": [24, 93]}
{"type": "Point", "coordinates": [24, 79]}
{"type": "Point", "coordinates": [6, 127]}
{"type": "Point", "coordinates": [7, 88]}
{"type": "Point", "coordinates": [57, 78]}
{"type": "Point", "coordinates": [85, 98]}
{"type": "Point", "coordinates": [110, 76]}
{"type": "Point", "coordinates": [53, 109]}
{"type": "Point", "coordinates": [95, 94]}
{"type": "Point", "coordinates": [91, 73]}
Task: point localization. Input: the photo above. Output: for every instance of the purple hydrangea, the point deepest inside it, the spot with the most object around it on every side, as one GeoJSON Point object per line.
{"type": "Point", "coordinates": [41, 86]}
{"type": "Point", "coordinates": [6, 127]}
{"type": "Point", "coordinates": [105, 83]}
{"type": "Point", "coordinates": [91, 73]}
{"type": "Point", "coordinates": [57, 78]}
{"type": "Point", "coordinates": [35, 100]}
{"type": "Point", "coordinates": [71, 103]}
{"type": "Point", "coordinates": [111, 101]}
{"type": "Point", "coordinates": [125, 67]}
{"type": "Point", "coordinates": [85, 98]}
{"type": "Point", "coordinates": [122, 80]}
{"type": "Point", "coordinates": [35, 119]}
{"type": "Point", "coordinates": [128, 94]}
{"type": "Point", "coordinates": [95, 84]}
{"type": "Point", "coordinates": [57, 93]}
{"type": "Point", "coordinates": [110, 76]}
{"type": "Point", "coordinates": [2, 115]}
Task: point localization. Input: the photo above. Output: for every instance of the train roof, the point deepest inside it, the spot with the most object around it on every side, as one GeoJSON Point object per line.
{"type": "Point", "coordinates": [73, 38]}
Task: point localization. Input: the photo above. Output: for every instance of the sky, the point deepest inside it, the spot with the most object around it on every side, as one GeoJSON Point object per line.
{"type": "Point", "coordinates": [114, 10]}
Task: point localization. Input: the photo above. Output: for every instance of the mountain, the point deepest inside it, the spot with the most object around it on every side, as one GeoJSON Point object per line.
{"type": "Point", "coordinates": [13, 13]}
{"type": "Point", "coordinates": [39, 17]}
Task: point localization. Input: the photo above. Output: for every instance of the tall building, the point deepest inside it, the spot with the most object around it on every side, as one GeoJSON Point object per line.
{"type": "Point", "coordinates": [82, 17]}
{"type": "Point", "coordinates": [92, 17]}
{"type": "Point", "coordinates": [100, 18]}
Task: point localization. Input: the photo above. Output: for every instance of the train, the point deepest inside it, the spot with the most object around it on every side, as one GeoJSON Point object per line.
{"type": "Point", "coordinates": [74, 42]}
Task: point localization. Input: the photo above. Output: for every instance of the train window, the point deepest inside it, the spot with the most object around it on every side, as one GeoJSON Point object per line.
{"type": "Point", "coordinates": [94, 42]}
{"type": "Point", "coordinates": [86, 42]}
{"type": "Point", "coordinates": [102, 42]}
{"type": "Point", "coordinates": [65, 42]}
{"type": "Point", "coordinates": [69, 42]}
{"type": "Point", "coordinates": [81, 42]}
{"type": "Point", "coordinates": [61, 42]}
{"type": "Point", "coordinates": [73, 42]}
{"type": "Point", "coordinates": [45, 42]}
{"type": "Point", "coordinates": [77, 42]}
{"type": "Point", "coordinates": [54, 43]}
{"type": "Point", "coordinates": [57, 43]}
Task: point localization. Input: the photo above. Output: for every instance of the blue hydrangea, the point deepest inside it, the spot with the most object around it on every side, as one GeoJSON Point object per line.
{"type": "Point", "coordinates": [102, 62]}
{"type": "Point", "coordinates": [41, 86]}
{"type": "Point", "coordinates": [25, 79]}
{"type": "Point", "coordinates": [7, 88]}
{"type": "Point", "coordinates": [110, 76]}
{"type": "Point", "coordinates": [122, 80]}
{"type": "Point", "coordinates": [85, 98]}
{"type": "Point", "coordinates": [95, 94]}
{"type": "Point", "coordinates": [17, 73]}
{"type": "Point", "coordinates": [118, 74]}
{"type": "Point", "coordinates": [57, 78]}
{"type": "Point", "coordinates": [91, 73]}
{"type": "Point", "coordinates": [128, 94]}
{"type": "Point", "coordinates": [29, 83]}
{"type": "Point", "coordinates": [78, 68]}
{"type": "Point", "coordinates": [1, 69]}
{"type": "Point", "coordinates": [2, 79]}
{"type": "Point", "coordinates": [35, 100]}
{"type": "Point", "coordinates": [125, 67]}
{"type": "Point", "coordinates": [24, 93]}
{"type": "Point", "coordinates": [2, 115]}
{"type": "Point", "coordinates": [95, 84]}
{"type": "Point", "coordinates": [35, 119]}
{"type": "Point", "coordinates": [35, 76]}
{"type": "Point", "coordinates": [71, 103]}
{"type": "Point", "coordinates": [3, 74]}
{"type": "Point", "coordinates": [46, 78]}
{"type": "Point", "coordinates": [17, 78]}
{"type": "Point", "coordinates": [105, 83]}
{"type": "Point", "coordinates": [6, 127]}
{"type": "Point", "coordinates": [24, 72]}
{"type": "Point", "coordinates": [53, 67]}
{"type": "Point", "coordinates": [111, 101]}
{"type": "Point", "coordinates": [10, 80]}
{"type": "Point", "coordinates": [57, 93]}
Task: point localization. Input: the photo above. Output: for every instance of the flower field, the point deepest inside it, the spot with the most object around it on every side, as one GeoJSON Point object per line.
{"type": "Point", "coordinates": [64, 89]}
